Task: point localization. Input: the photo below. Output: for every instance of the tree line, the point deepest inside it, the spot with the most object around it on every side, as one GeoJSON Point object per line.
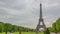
{"type": "Point", "coordinates": [7, 27]}
{"type": "Point", "coordinates": [55, 26]}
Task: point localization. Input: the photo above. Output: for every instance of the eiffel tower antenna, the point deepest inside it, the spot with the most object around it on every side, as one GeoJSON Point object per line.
{"type": "Point", "coordinates": [41, 21]}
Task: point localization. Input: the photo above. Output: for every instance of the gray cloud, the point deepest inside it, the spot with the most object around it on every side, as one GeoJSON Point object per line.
{"type": "Point", "coordinates": [26, 12]}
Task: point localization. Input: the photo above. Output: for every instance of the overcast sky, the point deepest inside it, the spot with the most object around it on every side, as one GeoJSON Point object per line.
{"type": "Point", "coordinates": [26, 12]}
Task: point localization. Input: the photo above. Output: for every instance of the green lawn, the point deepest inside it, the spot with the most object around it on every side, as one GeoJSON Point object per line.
{"type": "Point", "coordinates": [22, 33]}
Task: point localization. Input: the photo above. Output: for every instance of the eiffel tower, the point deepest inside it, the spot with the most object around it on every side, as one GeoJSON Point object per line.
{"type": "Point", "coordinates": [41, 21]}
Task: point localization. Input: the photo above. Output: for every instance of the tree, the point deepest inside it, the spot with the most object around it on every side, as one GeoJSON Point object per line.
{"type": "Point", "coordinates": [7, 27]}
{"type": "Point", "coordinates": [58, 25]}
{"type": "Point", "coordinates": [51, 29]}
{"type": "Point", "coordinates": [15, 28]}
{"type": "Point", "coordinates": [55, 28]}
{"type": "Point", "coordinates": [47, 31]}
{"type": "Point", "coordinates": [1, 26]}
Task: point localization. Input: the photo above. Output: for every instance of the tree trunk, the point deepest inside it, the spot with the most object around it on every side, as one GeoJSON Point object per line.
{"type": "Point", "coordinates": [6, 32]}
{"type": "Point", "coordinates": [19, 32]}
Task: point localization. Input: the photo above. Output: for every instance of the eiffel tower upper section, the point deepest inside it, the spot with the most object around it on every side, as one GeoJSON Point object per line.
{"type": "Point", "coordinates": [40, 11]}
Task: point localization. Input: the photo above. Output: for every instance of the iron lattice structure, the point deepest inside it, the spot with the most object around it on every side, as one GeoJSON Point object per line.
{"type": "Point", "coordinates": [40, 21]}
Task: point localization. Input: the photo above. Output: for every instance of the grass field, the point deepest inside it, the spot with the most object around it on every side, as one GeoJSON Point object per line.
{"type": "Point", "coordinates": [22, 33]}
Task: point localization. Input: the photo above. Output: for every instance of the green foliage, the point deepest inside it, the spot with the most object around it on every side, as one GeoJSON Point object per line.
{"type": "Point", "coordinates": [51, 29]}
{"type": "Point", "coordinates": [47, 31]}
{"type": "Point", "coordinates": [58, 24]}
{"type": "Point", "coordinates": [6, 27]}
{"type": "Point", "coordinates": [1, 26]}
{"type": "Point", "coordinates": [55, 26]}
